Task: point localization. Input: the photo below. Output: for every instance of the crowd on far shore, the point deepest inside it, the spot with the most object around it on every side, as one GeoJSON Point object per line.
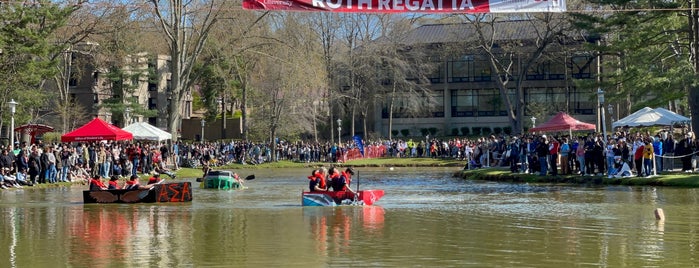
{"type": "Point", "coordinates": [621, 154]}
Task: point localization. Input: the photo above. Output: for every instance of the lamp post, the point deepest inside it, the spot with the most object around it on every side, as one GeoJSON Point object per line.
{"type": "Point", "coordinates": [610, 110]}
{"type": "Point", "coordinates": [203, 124]}
{"type": "Point", "coordinates": [339, 132]}
{"type": "Point", "coordinates": [13, 107]}
{"type": "Point", "coordinates": [600, 99]}
{"type": "Point", "coordinates": [222, 102]}
{"type": "Point", "coordinates": [533, 122]}
{"type": "Point", "coordinates": [127, 114]}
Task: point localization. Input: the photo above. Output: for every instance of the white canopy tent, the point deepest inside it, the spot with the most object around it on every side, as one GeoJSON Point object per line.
{"type": "Point", "coordinates": [651, 117]}
{"type": "Point", "coordinates": [145, 131]}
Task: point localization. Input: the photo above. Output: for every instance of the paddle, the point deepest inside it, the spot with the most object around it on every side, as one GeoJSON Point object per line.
{"type": "Point", "coordinates": [143, 194]}
{"type": "Point", "coordinates": [249, 178]}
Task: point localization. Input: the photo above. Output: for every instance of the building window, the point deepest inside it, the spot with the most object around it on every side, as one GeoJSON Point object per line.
{"type": "Point", "coordinates": [460, 69]}
{"type": "Point", "coordinates": [429, 105]}
{"type": "Point", "coordinates": [152, 104]}
{"type": "Point", "coordinates": [437, 77]}
{"type": "Point", "coordinates": [95, 98]}
{"type": "Point", "coordinates": [463, 103]}
{"type": "Point", "coordinates": [489, 102]}
{"type": "Point", "coordinates": [581, 66]}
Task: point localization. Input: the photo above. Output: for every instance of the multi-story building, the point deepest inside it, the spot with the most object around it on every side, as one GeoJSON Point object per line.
{"type": "Point", "coordinates": [465, 90]}
{"type": "Point", "coordinates": [90, 87]}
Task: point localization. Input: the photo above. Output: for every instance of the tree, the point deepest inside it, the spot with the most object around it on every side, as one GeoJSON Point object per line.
{"type": "Point", "coordinates": [28, 51]}
{"type": "Point", "coordinates": [510, 61]}
{"type": "Point", "coordinates": [186, 26]}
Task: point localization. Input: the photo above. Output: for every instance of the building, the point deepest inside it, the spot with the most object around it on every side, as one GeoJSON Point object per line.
{"type": "Point", "coordinates": [143, 82]}
{"type": "Point", "coordinates": [464, 86]}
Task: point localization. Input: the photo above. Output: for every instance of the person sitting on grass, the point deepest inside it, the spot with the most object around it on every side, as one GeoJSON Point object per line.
{"type": "Point", "coordinates": [619, 169]}
{"type": "Point", "coordinates": [160, 168]}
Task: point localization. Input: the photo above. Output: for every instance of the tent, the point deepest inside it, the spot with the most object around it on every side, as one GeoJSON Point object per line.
{"type": "Point", "coordinates": [563, 122]}
{"type": "Point", "coordinates": [97, 130]}
{"type": "Point", "coordinates": [145, 131]}
{"type": "Point", "coordinates": [33, 130]}
{"type": "Point", "coordinates": [651, 117]}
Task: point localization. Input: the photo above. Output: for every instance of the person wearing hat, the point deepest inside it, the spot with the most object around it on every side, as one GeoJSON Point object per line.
{"type": "Point", "coordinates": [342, 182]}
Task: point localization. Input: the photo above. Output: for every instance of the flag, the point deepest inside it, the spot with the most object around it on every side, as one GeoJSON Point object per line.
{"type": "Point", "coordinates": [360, 144]}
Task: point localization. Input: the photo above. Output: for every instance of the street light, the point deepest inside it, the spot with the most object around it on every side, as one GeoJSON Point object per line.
{"type": "Point", "coordinates": [533, 122]}
{"type": "Point", "coordinates": [339, 131]}
{"type": "Point", "coordinates": [222, 102]}
{"type": "Point", "coordinates": [13, 107]}
{"type": "Point", "coordinates": [610, 109]}
{"type": "Point", "coordinates": [127, 114]}
{"type": "Point", "coordinates": [203, 124]}
{"type": "Point", "coordinates": [600, 99]}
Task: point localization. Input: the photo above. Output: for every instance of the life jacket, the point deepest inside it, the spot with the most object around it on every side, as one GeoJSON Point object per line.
{"type": "Point", "coordinates": [340, 184]}
{"type": "Point", "coordinates": [96, 185]}
{"type": "Point", "coordinates": [322, 183]}
{"type": "Point", "coordinates": [131, 184]}
{"type": "Point", "coordinates": [113, 185]}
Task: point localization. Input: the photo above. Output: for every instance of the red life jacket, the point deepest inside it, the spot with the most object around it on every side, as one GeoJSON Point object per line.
{"type": "Point", "coordinates": [114, 183]}
{"type": "Point", "coordinates": [322, 183]}
{"type": "Point", "coordinates": [348, 180]}
{"type": "Point", "coordinates": [96, 184]}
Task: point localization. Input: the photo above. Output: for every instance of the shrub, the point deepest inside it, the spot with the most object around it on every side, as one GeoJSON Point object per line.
{"type": "Point", "coordinates": [487, 130]}
{"type": "Point", "coordinates": [424, 131]}
{"type": "Point", "coordinates": [405, 132]}
{"type": "Point", "coordinates": [477, 130]}
{"type": "Point", "coordinates": [497, 130]}
{"type": "Point", "coordinates": [394, 132]}
{"type": "Point", "coordinates": [465, 131]}
{"type": "Point", "coordinates": [433, 131]}
{"type": "Point", "coordinates": [455, 132]}
{"type": "Point", "coordinates": [508, 130]}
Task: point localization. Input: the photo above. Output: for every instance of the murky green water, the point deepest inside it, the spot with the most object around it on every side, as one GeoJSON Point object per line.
{"type": "Point", "coordinates": [426, 219]}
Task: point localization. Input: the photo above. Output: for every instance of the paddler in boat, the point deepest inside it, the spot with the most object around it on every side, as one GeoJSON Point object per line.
{"type": "Point", "coordinates": [133, 184]}
{"type": "Point", "coordinates": [113, 183]}
{"type": "Point", "coordinates": [342, 183]}
{"type": "Point", "coordinates": [317, 180]}
{"type": "Point", "coordinates": [96, 183]}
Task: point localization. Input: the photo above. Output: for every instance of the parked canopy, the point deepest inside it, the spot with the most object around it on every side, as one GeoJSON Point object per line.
{"type": "Point", "coordinates": [651, 117]}
{"type": "Point", "coordinates": [97, 130]}
{"type": "Point", "coordinates": [145, 131]}
{"type": "Point", "coordinates": [563, 122]}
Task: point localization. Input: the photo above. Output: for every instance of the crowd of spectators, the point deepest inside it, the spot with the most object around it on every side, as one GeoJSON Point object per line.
{"type": "Point", "coordinates": [622, 154]}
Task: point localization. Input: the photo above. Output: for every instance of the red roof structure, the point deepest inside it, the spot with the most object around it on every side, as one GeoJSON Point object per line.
{"type": "Point", "coordinates": [563, 122]}
{"type": "Point", "coordinates": [33, 130]}
{"type": "Point", "coordinates": [97, 130]}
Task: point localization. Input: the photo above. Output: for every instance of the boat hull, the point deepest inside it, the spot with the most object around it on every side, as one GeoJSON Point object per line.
{"type": "Point", "coordinates": [324, 199]}
{"type": "Point", "coordinates": [166, 192]}
{"type": "Point", "coordinates": [222, 180]}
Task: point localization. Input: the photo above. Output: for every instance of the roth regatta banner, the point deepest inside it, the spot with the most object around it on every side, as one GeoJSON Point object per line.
{"type": "Point", "coordinates": [418, 6]}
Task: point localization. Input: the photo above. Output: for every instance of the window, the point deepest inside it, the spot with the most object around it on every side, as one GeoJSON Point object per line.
{"type": "Point", "coordinates": [437, 77]}
{"type": "Point", "coordinates": [580, 66]}
{"type": "Point", "coordinates": [463, 103]}
{"type": "Point", "coordinates": [460, 69]}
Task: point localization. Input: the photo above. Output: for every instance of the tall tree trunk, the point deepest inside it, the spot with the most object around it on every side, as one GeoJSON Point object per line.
{"type": "Point", "coordinates": [693, 96]}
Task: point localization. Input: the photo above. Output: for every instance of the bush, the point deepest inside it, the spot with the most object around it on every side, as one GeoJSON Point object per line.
{"type": "Point", "coordinates": [424, 131]}
{"type": "Point", "coordinates": [50, 137]}
{"type": "Point", "coordinates": [394, 132]}
{"type": "Point", "coordinates": [487, 131]}
{"type": "Point", "coordinates": [477, 131]}
{"type": "Point", "coordinates": [497, 130]}
{"type": "Point", "coordinates": [508, 130]}
{"type": "Point", "coordinates": [465, 131]}
{"type": "Point", "coordinates": [455, 132]}
{"type": "Point", "coordinates": [433, 131]}
{"type": "Point", "coordinates": [405, 132]}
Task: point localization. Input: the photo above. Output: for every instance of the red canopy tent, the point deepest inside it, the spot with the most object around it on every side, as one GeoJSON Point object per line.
{"type": "Point", "coordinates": [563, 122]}
{"type": "Point", "coordinates": [97, 130]}
{"type": "Point", "coordinates": [33, 130]}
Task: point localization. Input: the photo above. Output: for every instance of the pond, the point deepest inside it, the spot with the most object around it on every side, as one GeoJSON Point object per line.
{"type": "Point", "coordinates": [427, 218]}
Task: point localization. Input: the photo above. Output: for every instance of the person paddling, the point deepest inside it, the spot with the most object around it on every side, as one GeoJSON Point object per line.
{"type": "Point", "coordinates": [96, 183]}
{"type": "Point", "coordinates": [113, 183]}
{"type": "Point", "coordinates": [342, 183]}
{"type": "Point", "coordinates": [133, 184]}
{"type": "Point", "coordinates": [317, 181]}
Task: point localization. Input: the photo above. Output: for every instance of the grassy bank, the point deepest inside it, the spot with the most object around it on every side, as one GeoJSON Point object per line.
{"type": "Point", "coordinates": [504, 175]}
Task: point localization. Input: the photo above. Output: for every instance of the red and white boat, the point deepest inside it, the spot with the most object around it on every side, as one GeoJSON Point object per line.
{"type": "Point", "coordinates": [329, 198]}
